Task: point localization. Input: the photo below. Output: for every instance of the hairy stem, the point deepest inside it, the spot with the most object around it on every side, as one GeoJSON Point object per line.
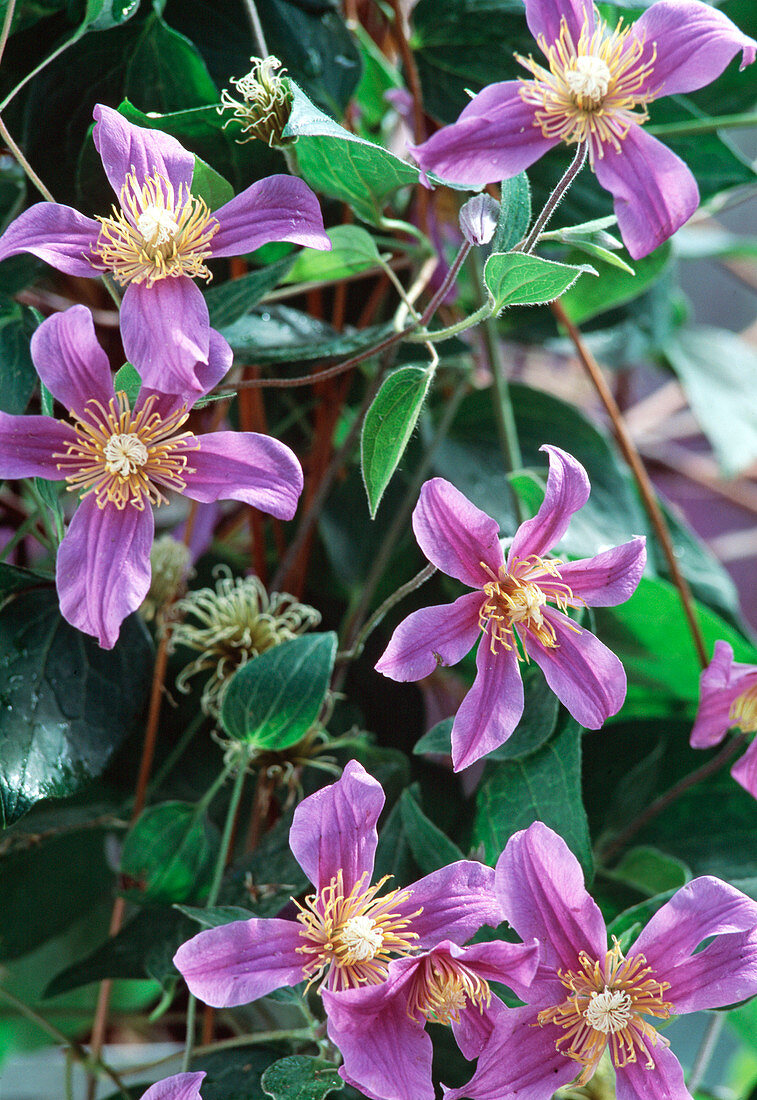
{"type": "Point", "coordinates": [555, 198]}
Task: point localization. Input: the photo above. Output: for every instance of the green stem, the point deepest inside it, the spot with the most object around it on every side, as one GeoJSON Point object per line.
{"type": "Point", "coordinates": [437, 335]}
{"type": "Point", "coordinates": [229, 1044]}
{"type": "Point", "coordinates": [43, 65]}
{"type": "Point", "coordinates": [27, 527]}
{"type": "Point", "coordinates": [704, 125]}
{"type": "Point", "coordinates": [706, 1050]}
{"type": "Point", "coordinates": [4, 133]}
{"type": "Point", "coordinates": [6, 26]}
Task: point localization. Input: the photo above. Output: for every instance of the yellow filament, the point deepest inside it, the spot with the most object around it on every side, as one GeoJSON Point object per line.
{"type": "Point", "coordinates": [517, 596]}
{"type": "Point", "coordinates": [743, 712]}
{"type": "Point", "coordinates": [442, 988]}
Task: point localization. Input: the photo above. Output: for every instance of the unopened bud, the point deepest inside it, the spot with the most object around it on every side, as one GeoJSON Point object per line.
{"type": "Point", "coordinates": [265, 105]}
{"type": "Point", "coordinates": [478, 218]}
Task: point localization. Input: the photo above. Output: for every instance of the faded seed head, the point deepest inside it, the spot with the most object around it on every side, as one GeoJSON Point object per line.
{"type": "Point", "coordinates": [265, 105]}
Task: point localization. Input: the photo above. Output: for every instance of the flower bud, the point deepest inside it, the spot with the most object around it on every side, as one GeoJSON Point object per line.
{"type": "Point", "coordinates": [478, 218]}
{"type": "Point", "coordinates": [266, 103]}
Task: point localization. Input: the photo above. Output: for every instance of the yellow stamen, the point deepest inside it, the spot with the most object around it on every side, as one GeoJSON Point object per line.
{"type": "Point", "coordinates": [517, 597]}
{"type": "Point", "coordinates": [157, 234]}
{"type": "Point", "coordinates": [442, 988]}
{"type": "Point", "coordinates": [743, 714]}
{"type": "Point", "coordinates": [594, 90]}
{"type": "Point", "coordinates": [352, 937]}
{"type": "Point", "coordinates": [122, 457]}
{"type": "Point", "coordinates": [604, 1008]}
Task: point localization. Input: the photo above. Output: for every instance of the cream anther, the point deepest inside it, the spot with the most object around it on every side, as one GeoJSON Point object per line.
{"type": "Point", "coordinates": [157, 225]}
{"type": "Point", "coordinates": [609, 1011]}
{"type": "Point", "coordinates": [124, 454]}
{"type": "Point", "coordinates": [361, 938]}
{"type": "Point", "coordinates": [589, 80]}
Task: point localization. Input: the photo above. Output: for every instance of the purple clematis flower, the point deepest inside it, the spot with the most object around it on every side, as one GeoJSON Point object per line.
{"type": "Point", "coordinates": [347, 931]}
{"type": "Point", "coordinates": [594, 89]}
{"type": "Point", "coordinates": [159, 240]}
{"type": "Point", "coordinates": [728, 700]}
{"type": "Point", "coordinates": [585, 999]}
{"type": "Point", "coordinates": [380, 1030]}
{"type": "Point", "coordinates": [511, 606]}
{"type": "Point", "coordinates": [182, 1086]}
{"type": "Point", "coordinates": [122, 460]}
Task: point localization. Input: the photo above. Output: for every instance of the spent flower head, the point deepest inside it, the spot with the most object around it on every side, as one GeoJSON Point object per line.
{"type": "Point", "coordinates": [265, 105]}
{"type": "Point", "coordinates": [170, 569]}
{"type": "Point", "coordinates": [231, 623]}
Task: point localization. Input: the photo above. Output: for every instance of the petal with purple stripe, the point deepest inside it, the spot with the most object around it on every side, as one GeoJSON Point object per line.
{"type": "Point", "coordinates": [744, 771]}
{"type": "Point", "coordinates": [492, 708]}
{"type": "Point", "coordinates": [28, 443]}
{"type": "Point", "coordinates": [432, 636]}
{"type": "Point", "coordinates": [59, 235]}
{"type": "Point", "coordinates": [636, 1081]}
{"type": "Point", "coordinates": [165, 330]}
{"type": "Point", "coordinates": [457, 900]}
{"type": "Point", "coordinates": [608, 578]}
{"type": "Point", "coordinates": [721, 683]}
{"type": "Point", "coordinates": [70, 361]}
{"type": "Point", "coordinates": [544, 18]}
{"type": "Point", "coordinates": [182, 1086]}
{"type": "Point", "coordinates": [278, 208]}
{"type": "Point", "coordinates": [126, 148]}
{"type": "Point", "coordinates": [246, 466]}
{"type": "Point", "coordinates": [567, 490]}
{"type": "Point", "coordinates": [455, 535]}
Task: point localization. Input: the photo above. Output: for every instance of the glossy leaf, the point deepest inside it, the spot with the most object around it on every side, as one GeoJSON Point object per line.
{"type": "Point", "coordinates": [168, 854]}
{"type": "Point", "coordinates": [431, 848]}
{"type": "Point", "coordinates": [300, 1077]}
{"type": "Point", "coordinates": [273, 700]}
{"type": "Point", "coordinates": [353, 250]}
{"type": "Point", "coordinates": [18, 377]}
{"type": "Point", "coordinates": [515, 279]}
{"type": "Point", "coordinates": [210, 185]}
{"type": "Point", "coordinates": [588, 299]}
{"type": "Point", "coordinates": [233, 299]}
{"type": "Point", "coordinates": [280, 334]}
{"type": "Point", "coordinates": [127, 379]}
{"type": "Point", "coordinates": [388, 425]}
{"type": "Point", "coordinates": [215, 915]}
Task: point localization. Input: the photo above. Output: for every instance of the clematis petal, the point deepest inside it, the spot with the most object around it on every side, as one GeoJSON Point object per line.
{"type": "Point", "coordinates": [492, 708]}
{"type": "Point", "coordinates": [721, 683]}
{"type": "Point", "coordinates": [635, 1081]}
{"type": "Point", "coordinates": [584, 674]}
{"type": "Point", "coordinates": [245, 466]}
{"type": "Point", "coordinates": [512, 964]}
{"type": "Point", "coordinates": [474, 1029]}
{"type": "Point", "coordinates": [606, 579]}
{"type": "Point", "coordinates": [432, 636]}
{"type": "Point", "coordinates": [165, 330]}
{"type": "Point", "coordinates": [541, 886]}
{"type": "Point", "coordinates": [279, 208]}
{"type": "Point", "coordinates": [567, 490]}
{"type": "Point", "coordinates": [744, 771]}
{"type": "Point", "coordinates": [59, 235]}
{"type": "Point", "coordinates": [182, 1086]}
{"type": "Point", "coordinates": [126, 148]}
{"type": "Point", "coordinates": [544, 18]}
{"type": "Point", "coordinates": [495, 138]}
{"type": "Point", "coordinates": [103, 567]}
{"type": "Point", "coordinates": [654, 192]}
{"type": "Point", "coordinates": [208, 375]}
{"type": "Point", "coordinates": [28, 443]}
{"type": "Point", "coordinates": [456, 901]}
{"type": "Point", "coordinates": [70, 361]}
{"type": "Point", "coordinates": [335, 829]}
{"type": "Point", "coordinates": [519, 1062]}
{"type": "Point", "coordinates": [726, 971]}
{"type": "Point", "coordinates": [239, 962]}
{"type": "Point", "coordinates": [689, 45]}
{"type": "Point", "coordinates": [455, 535]}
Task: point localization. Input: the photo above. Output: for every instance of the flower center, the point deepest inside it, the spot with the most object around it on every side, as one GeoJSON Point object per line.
{"type": "Point", "coordinates": [743, 713]}
{"type": "Point", "coordinates": [351, 937]}
{"type": "Point", "coordinates": [442, 988]}
{"type": "Point", "coordinates": [517, 598]}
{"type": "Point", "coordinates": [157, 234]}
{"type": "Point", "coordinates": [605, 1006]}
{"type": "Point", "coordinates": [122, 457]}
{"type": "Point", "coordinates": [592, 88]}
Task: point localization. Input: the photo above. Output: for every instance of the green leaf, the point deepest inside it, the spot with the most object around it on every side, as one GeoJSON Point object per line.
{"type": "Point", "coordinates": [431, 847]}
{"type": "Point", "coordinates": [514, 213]}
{"type": "Point", "coordinates": [718, 371]}
{"type": "Point", "coordinates": [273, 700]}
{"type": "Point", "coordinates": [586, 299]}
{"type": "Point", "coordinates": [650, 871]}
{"type": "Point", "coordinates": [102, 14]}
{"type": "Point", "coordinates": [13, 578]}
{"type": "Point", "coordinates": [545, 786]}
{"type": "Point", "coordinates": [65, 703]}
{"type": "Point", "coordinates": [178, 75]}
{"type": "Point", "coordinates": [515, 279]}
{"type": "Point", "coordinates": [168, 854]}
{"type": "Point", "coordinates": [343, 165]}
{"type": "Point", "coordinates": [353, 249]}
{"type": "Point", "coordinates": [18, 378]}
{"type": "Point", "coordinates": [388, 425]}
{"type": "Point", "coordinates": [599, 252]}
{"type": "Point", "coordinates": [280, 334]}
{"type": "Point", "coordinates": [300, 1077]}
{"type": "Point", "coordinates": [233, 299]}
{"type": "Point", "coordinates": [127, 379]}
{"type": "Point", "coordinates": [215, 915]}
{"type": "Point", "coordinates": [235, 1074]}
{"type": "Point", "coordinates": [210, 185]}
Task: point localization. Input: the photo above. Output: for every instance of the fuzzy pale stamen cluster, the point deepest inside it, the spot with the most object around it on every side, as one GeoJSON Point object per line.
{"type": "Point", "coordinates": [266, 103]}
{"type": "Point", "coordinates": [443, 987]}
{"type": "Point", "coordinates": [170, 566]}
{"type": "Point", "coordinates": [743, 714]}
{"type": "Point", "coordinates": [351, 937]}
{"type": "Point", "coordinates": [122, 457]}
{"type": "Point", "coordinates": [594, 90]}
{"type": "Point", "coordinates": [158, 233]}
{"type": "Point", "coordinates": [604, 1009]}
{"type": "Point", "coordinates": [230, 624]}
{"type": "Point", "coordinates": [517, 596]}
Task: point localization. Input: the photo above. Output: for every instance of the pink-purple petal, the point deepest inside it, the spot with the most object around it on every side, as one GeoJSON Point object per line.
{"type": "Point", "coordinates": [207, 375]}
{"type": "Point", "coordinates": [239, 962]}
{"type": "Point", "coordinates": [495, 138]}
{"type": "Point", "coordinates": [59, 235]}
{"type": "Point", "coordinates": [455, 535]}
{"type": "Point", "coordinates": [567, 490]}
{"type": "Point", "coordinates": [724, 972]}
{"type": "Point", "coordinates": [182, 1086]}
{"type": "Point", "coordinates": [457, 900]}
{"type": "Point", "coordinates": [245, 466]}
{"type": "Point", "coordinates": [544, 17]}
{"type": "Point", "coordinates": [126, 148]}
{"type": "Point", "coordinates": [103, 567]}
{"type": "Point", "coordinates": [541, 886]}
{"type": "Point", "coordinates": [744, 771]}
{"type": "Point", "coordinates": [606, 579]}
{"type": "Point", "coordinates": [430, 637]}
{"type": "Point", "coordinates": [165, 330]}
{"type": "Point", "coordinates": [688, 44]}
{"type": "Point", "coordinates": [474, 1029]}
{"type": "Point", "coordinates": [278, 208]}
{"type": "Point", "coordinates": [70, 361]}
{"type": "Point", "coordinates": [654, 192]}
{"type": "Point", "coordinates": [635, 1081]}
{"type": "Point", "coordinates": [512, 964]}
{"type": "Point", "coordinates": [721, 683]}
{"type": "Point", "coordinates": [583, 673]}
{"type": "Point", "coordinates": [335, 829]}
{"type": "Point", "coordinates": [28, 443]}
{"type": "Point", "coordinates": [492, 708]}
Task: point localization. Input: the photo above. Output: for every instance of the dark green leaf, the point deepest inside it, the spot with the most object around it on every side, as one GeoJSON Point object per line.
{"type": "Point", "coordinates": [431, 847]}
{"type": "Point", "coordinates": [15, 579]}
{"type": "Point", "coordinates": [587, 299]}
{"type": "Point", "coordinates": [128, 380]}
{"type": "Point", "coordinates": [236, 1074]}
{"type": "Point", "coordinates": [210, 185]}
{"type": "Point", "coordinates": [637, 916]}
{"type": "Point", "coordinates": [281, 334]}
{"type": "Point", "coordinates": [215, 915]}
{"type": "Point", "coordinates": [651, 871]}
{"type": "Point", "coordinates": [388, 425]}
{"type": "Point", "coordinates": [514, 213]}
{"type": "Point", "coordinates": [168, 854]}
{"type": "Point", "coordinates": [18, 377]}
{"type": "Point", "coordinates": [300, 1077]}
{"type": "Point", "coordinates": [65, 703]}
{"type": "Point", "coordinates": [516, 279]}
{"type": "Point", "coordinates": [177, 74]}
{"type": "Point", "coordinates": [230, 301]}
{"type": "Point", "coordinates": [102, 14]}
{"type": "Point", "coordinates": [273, 700]}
